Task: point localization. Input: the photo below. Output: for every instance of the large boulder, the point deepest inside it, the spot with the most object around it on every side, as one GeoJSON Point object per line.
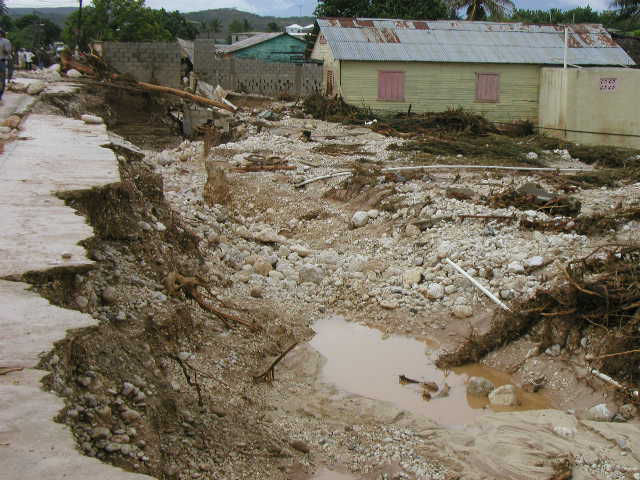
{"type": "Point", "coordinates": [504, 396]}
{"type": "Point", "coordinates": [480, 386]}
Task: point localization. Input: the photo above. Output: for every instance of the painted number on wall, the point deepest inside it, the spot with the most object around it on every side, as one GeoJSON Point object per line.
{"type": "Point", "coordinates": [608, 84]}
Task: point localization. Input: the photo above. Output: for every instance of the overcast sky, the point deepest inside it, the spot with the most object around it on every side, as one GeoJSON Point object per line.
{"type": "Point", "coordinates": [284, 7]}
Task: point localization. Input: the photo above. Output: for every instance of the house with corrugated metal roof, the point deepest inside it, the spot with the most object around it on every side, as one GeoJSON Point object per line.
{"type": "Point", "coordinates": [270, 47]}
{"type": "Point", "coordinates": [491, 68]}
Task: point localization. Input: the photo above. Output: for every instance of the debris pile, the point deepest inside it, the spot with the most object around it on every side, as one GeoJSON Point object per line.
{"type": "Point", "coordinates": [600, 295]}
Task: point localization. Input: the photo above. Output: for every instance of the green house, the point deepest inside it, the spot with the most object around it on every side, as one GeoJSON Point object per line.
{"type": "Point", "coordinates": [270, 47]}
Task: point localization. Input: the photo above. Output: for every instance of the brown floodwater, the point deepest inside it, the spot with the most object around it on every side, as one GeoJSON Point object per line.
{"type": "Point", "coordinates": [326, 474]}
{"type": "Point", "coordinates": [363, 361]}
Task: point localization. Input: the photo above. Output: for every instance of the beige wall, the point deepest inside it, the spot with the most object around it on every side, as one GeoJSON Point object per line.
{"type": "Point", "coordinates": [572, 100]}
{"type": "Point", "coordinates": [322, 51]}
{"type": "Point", "coordinates": [431, 87]}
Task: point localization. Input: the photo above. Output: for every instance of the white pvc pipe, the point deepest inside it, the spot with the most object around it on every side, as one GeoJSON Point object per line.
{"type": "Point", "coordinates": [486, 167]}
{"type": "Point", "coordinates": [451, 167]}
{"type": "Point", "coordinates": [566, 46]}
{"type": "Point", "coordinates": [477, 285]}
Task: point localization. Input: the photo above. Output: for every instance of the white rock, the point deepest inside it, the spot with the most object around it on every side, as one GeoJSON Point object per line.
{"type": "Point", "coordinates": [330, 257]}
{"type": "Point", "coordinates": [515, 267]}
{"type": "Point", "coordinates": [91, 119]}
{"type": "Point", "coordinates": [73, 73]}
{"type": "Point", "coordinates": [553, 350]}
{"type": "Point", "coordinates": [301, 250]}
{"type": "Point", "coordinates": [504, 396]}
{"type": "Point", "coordinates": [36, 87]}
{"type": "Point", "coordinates": [359, 219]}
{"type": "Point", "coordinates": [411, 231]}
{"type": "Point", "coordinates": [388, 304]}
{"type": "Point", "coordinates": [536, 261]}
{"type": "Point", "coordinates": [565, 432]}
{"type": "Point", "coordinates": [262, 266]}
{"type": "Point", "coordinates": [411, 277]}
{"type": "Point", "coordinates": [435, 291]}
{"type": "Point", "coordinates": [462, 311]}
{"type": "Point", "coordinates": [599, 413]}
{"type": "Point", "coordinates": [479, 386]}
{"type": "Point", "coordinates": [373, 213]}
{"type": "Point", "coordinates": [532, 156]}
{"type": "Point", "coordinates": [54, 68]}
{"type": "Point", "coordinates": [276, 275]}
{"type": "Point", "coordinates": [311, 273]}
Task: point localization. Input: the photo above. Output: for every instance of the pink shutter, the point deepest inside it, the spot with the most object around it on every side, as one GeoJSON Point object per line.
{"type": "Point", "coordinates": [488, 87]}
{"type": "Point", "coordinates": [391, 86]}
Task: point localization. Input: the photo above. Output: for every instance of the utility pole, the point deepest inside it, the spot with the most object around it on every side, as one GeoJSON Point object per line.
{"type": "Point", "coordinates": [79, 36]}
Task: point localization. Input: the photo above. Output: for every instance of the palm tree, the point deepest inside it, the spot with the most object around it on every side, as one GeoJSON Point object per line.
{"type": "Point", "coordinates": [629, 8]}
{"type": "Point", "coordinates": [3, 8]}
{"type": "Point", "coordinates": [481, 9]}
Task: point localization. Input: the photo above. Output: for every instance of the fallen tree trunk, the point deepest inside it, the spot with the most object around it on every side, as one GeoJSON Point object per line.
{"type": "Point", "coordinates": [187, 95]}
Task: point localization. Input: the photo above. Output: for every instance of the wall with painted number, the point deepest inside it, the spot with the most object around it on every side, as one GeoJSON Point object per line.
{"type": "Point", "coordinates": [597, 106]}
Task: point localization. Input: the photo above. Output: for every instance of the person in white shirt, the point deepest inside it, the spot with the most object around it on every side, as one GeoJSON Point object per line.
{"type": "Point", "coordinates": [28, 60]}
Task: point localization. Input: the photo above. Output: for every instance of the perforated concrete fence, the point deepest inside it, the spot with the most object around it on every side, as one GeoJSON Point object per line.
{"type": "Point", "coordinates": [255, 76]}
{"type": "Point", "coordinates": [153, 62]}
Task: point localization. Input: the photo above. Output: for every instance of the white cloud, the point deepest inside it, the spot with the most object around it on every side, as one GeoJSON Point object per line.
{"type": "Point", "coordinates": [595, 4]}
{"type": "Point", "coordinates": [195, 5]}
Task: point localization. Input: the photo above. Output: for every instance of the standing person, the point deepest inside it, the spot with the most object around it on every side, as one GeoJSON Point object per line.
{"type": "Point", "coordinates": [5, 55]}
{"type": "Point", "coordinates": [28, 59]}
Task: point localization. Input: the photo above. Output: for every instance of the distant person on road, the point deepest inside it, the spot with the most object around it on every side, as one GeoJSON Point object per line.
{"type": "Point", "coordinates": [5, 56]}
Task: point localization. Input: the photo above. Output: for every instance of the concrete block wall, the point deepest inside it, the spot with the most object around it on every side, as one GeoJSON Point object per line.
{"type": "Point", "coordinates": [153, 62]}
{"type": "Point", "coordinates": [256, 76]}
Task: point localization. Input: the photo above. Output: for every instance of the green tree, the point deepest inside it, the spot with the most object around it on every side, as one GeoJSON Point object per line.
{"type": "Point", "coordinates": [627, 8]}
{"type": "Point", "coordinates": [407, 9]}
{"type": "Point", "coordinates": [176, 24]}
{"type": "Point", "coordinates": [117, 20]}
{"type": "Point", "coordinates": [236, 27]}
{"type": "Point", "coordinates": [215, 26]}
{"type": "Point", "coordinates": [6, 23]}
{"type": "Point", "coordinates": [273, 27]}
{"type": "Point", "coordinates": [33, 32]}
{"type": "Point", "coordinates": [246, 25]}
{"type": "Point", "coordinates": [482, 9]}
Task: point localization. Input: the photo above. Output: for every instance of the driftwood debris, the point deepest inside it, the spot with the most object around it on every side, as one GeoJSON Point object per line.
{"type": "Point", "coordinates": [5, 370]}
{"type": "Point", "coordinates": [112, 81]}
{"type": "Point", "coordinates": [269, 374]}
{"type": "Point", "coordinates": [261, 163]}
{"type": "Point", "coordinates": [174, 282]}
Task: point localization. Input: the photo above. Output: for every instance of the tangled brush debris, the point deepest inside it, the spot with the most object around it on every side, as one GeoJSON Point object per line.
{"type": "Point", "coordinates": [601, 291]}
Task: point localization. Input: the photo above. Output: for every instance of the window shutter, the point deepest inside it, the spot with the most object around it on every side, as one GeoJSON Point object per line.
{"type": "Point", "coordinates": [487, 87]}
{"type": "Point", "coordinates": [391, 86]}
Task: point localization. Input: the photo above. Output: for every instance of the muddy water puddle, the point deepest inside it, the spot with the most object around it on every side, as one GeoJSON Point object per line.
{"type": "Point", "coordinates": [326, 474]}
{"type": "Point", "coordinates": [361, 360]}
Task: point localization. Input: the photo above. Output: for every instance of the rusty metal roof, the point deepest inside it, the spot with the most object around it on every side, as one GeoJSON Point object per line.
{"type": "Point", "coordinates": [469, 42]}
